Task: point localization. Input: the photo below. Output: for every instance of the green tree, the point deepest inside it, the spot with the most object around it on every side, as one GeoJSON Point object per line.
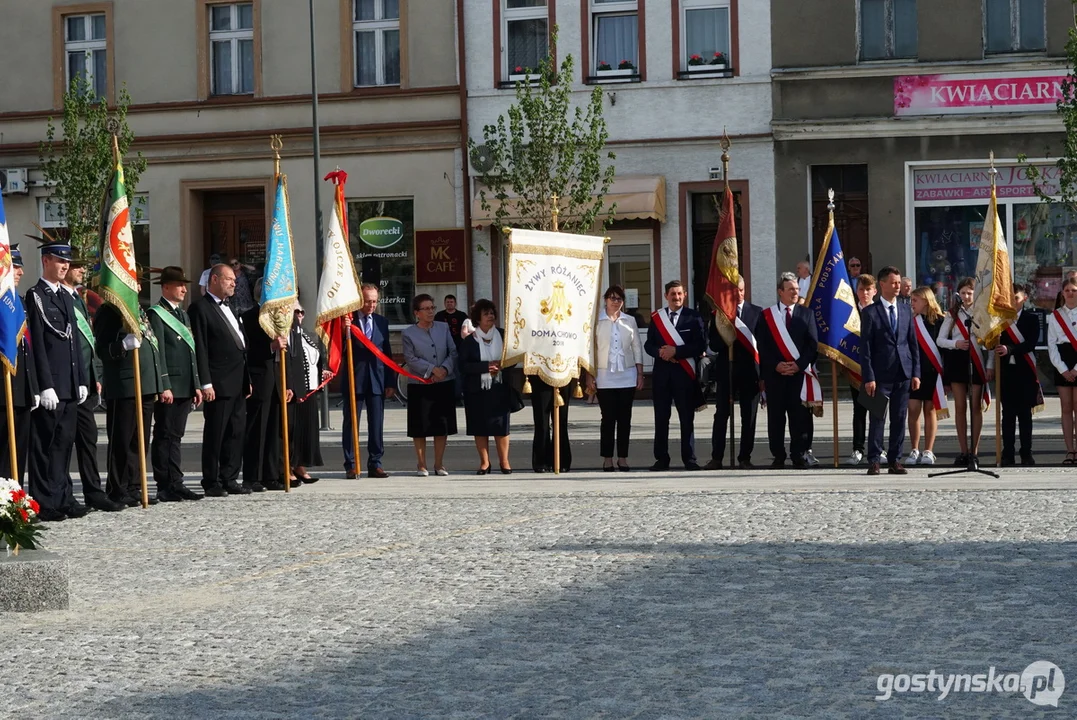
{"type": "Point", "coordinates": [79, 164]}
{"type": "Point", "coordinates": [548, 147]}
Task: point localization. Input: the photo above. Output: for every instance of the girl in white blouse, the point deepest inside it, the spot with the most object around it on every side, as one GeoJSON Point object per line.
{"type": "Point", "coordinates": [956, 361]}
{"type": "Point", "coordinates": [1061, 327]}
{"type": "Point", "coordinates": [619, 361]}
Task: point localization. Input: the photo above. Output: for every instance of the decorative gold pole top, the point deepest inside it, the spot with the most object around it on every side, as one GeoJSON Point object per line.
{"type": "Point", "coordinates": [725, 144]}
{"type": "Point", "coordinates": [555, 211]}
{"type": "Point", "coordinates": [992, 171]}
{"type": "Point", "coordinates": [276, 144]}
{"type": "Point", "coordinates": [830, 203]}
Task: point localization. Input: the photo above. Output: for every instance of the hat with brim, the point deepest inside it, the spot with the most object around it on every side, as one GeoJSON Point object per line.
{"type": "Point", "coordinates": [16, 255]}
{"type": "Point", "coordinates": [172, 274]}
{"type": "Point", "coordinates": [50, 246]}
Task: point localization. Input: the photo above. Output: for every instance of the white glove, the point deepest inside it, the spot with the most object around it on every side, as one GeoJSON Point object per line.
{"type": "Point", "coordinates": [37, 401]}
{"type": "Point", "coordinates": [130, 342]}
{"type": "Point", "coordinates": [49, 401]}
{"type": "Point", "coordinates": [84, 393]}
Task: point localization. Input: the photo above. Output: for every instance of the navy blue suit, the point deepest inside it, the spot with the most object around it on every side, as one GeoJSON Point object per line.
{"type": "Point", "coordinates": [371, 379]}
{"type": "Point", "coordinates": [891, 360]}
{"type": "Point", "coordinates": [672, 385]}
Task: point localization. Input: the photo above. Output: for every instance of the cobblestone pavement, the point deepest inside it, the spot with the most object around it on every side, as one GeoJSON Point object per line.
{"type": "Point", "coordinates": [637, 600]}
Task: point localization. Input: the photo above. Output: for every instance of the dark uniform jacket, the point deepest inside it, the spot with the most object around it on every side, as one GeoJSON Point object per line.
{"type": "Point", "coordinates": [118, 377]}
{"type": "Point", "coordinates": [180, 360]}
{"type": "Point", "coordinates": [56, 348]}
{"type": "Point", "coordinates": [1019, 370]}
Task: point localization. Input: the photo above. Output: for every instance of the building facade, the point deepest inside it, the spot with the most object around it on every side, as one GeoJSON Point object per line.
{"type": "Point", "coordinates": [211, 81]}
{"type": "Point", "coordinates": [665, 112]}
{"type": "Point", "coordinates": [897, 106]}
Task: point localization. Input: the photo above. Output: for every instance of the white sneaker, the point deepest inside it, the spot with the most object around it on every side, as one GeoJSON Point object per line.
{"type": "Point", "coordinates": [927, 458]}
{"type": "Point", "coordinates": [882, 458]}
{"type": "Point", "coordinates": [913, 457]}
{"type": "Point", "coordinates": [856, 458]}
{"type": "Point", "coordinates": [809, 458]}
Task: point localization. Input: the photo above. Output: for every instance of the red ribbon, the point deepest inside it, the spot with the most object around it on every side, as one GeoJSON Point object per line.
{"type": "Point", "coordinates": [385, 358]}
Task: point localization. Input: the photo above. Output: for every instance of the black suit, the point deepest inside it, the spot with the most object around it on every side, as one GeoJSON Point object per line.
{"type": "Point", "coordinates": [1019, 386]}
{"type": "Point", "coordinates": [371, 379]}
{"type": "Point", "coordinates": [170, 419]}
{"type": "Point", "coordinates": [783, 391]}
{"type": "Point", "coordinates": [542, 408]}
{"type": "Point", "coordinates": [56, 352]}
{"type": "Point", "coordinates": [672, 385]}
{"type": "Point", "coordinates": [23, 389]}
{"type": "Point", "coordinates": [745, 387]}
{"type": "Point", "coordinates": [222, 362]}
{"type": "Point", "coordinates": [85, 419]}
{"type": "Point", "coordinates": [263, 454]}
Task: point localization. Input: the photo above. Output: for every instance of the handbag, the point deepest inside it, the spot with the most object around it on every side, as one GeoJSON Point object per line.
{"type": "Point", "coordinates": [514, 386]}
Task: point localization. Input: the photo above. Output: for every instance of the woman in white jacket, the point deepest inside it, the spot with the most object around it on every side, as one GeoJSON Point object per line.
{"type": "Point", "coordinates": [619, 362]}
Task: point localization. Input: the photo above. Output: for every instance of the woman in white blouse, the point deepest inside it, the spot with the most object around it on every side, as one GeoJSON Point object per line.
{"type": "Point", "coordinates": [968, 391]}
{"type": "Point", "coordinates": [1061, 326]}
{"type": "Point", "coordinates": [619, 362]}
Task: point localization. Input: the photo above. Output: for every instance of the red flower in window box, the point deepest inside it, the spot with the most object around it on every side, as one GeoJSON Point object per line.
{"type": "Point", "coordinates": [626, 65]}
{"type": "Point", "coordinates": [603, 65]}
{"type": "Point", "coordinates": [695, 60]}
{"type": "Point", "coordinates": [719, 59]}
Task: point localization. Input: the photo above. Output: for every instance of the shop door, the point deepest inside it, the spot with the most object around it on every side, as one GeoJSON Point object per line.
{"type": "Point", "coordinates": [850, 185]}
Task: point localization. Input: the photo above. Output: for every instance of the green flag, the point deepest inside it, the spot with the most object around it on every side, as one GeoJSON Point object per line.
{"type": "Point", "coordinates": [118, 279]}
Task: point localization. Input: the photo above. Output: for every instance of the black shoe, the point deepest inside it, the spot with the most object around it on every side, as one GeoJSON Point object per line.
{"type": "Point", "coordinates": [51, 516]}
{"type": "Point", "coordinates": [623, 468]}
{"type": "Point", "coordinates": [607, 468]}
{"type": "Point", "coordinates": [274, 485]}
{"type": "Point", "coordinates": [309, 480]}
{"type": "Point", "coordinates": [1008, 462]}
{"type": "Point", "coordinates": [483, 470]}
{"type": "Point", "coordinates": [659, 467]}
{"type": "Point", "coordinates": [181, 490]}
{"type": "Point", "coordinates": [713, 465]}
{"type": "Point", "coordinates": [235, 488]}
{"type": "Point", "coordinates": [548, 468]}
{"type": "Point", "coordinates": [128, 500]}
{"type": "Point", "coordinates": [777, 463]}
{"type": "Point", "coordinates": [216, 491]}
{"type": "Point", "coordinates": [1028, 460]}
{"type": "Point", "coordinates": [505, 470]}
{"type": "Point", "coordinates": [104, 504]}
{"type": "Point", "coordinates": [566, 469]}
{"type": "Point", "coordinates": [799, 464]}
{"type": "Point", "coordinates": [296, 483]}
{"type": "Point", "coordinates": [538, 469]}
{"type": "Point", "coordinates": [692, 467]}
{"type": "Point", "coordinates": [169, 495]}
{"type": "Point", "coordinates": [255, 487]}
{"type": "Point", "coordinates": [745, 464]}
{"type": "Point", "coordinates": [75, 510]}
{"type": "Point", "coordinates": [962, 460]}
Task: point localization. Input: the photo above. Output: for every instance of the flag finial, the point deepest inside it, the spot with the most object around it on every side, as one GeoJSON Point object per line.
{"type": "Point", "coordinates": [276, 144]}
{"type": "Point", "coordinates": [830, 203]}
{"type": "Point", "coordinates": [725, 144]}
{"type": "Point", "coordinates": [992, 171]}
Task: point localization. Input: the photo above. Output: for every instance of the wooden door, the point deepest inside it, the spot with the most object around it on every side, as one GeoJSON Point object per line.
{"type": "Point", "coordinates": [239, 234]}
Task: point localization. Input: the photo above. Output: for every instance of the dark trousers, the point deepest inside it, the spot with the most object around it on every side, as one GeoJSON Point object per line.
{"type": "Point", "coordinates": [50, 452]}
{"type": "Point", "coordinates": [542, 410]}
{"type": "Point", "coordinates": [22, 445]}
{"type": "Point", "coordinates": [86, 450]}
{"type": "Point", "coordinates": [1018, 396]}
{"type": "Point", "coordinates": [784, 404]}
{"type": "Point", "coordinates": [375, 428]}
{"type": "Point", "coordinates": [615, 405]}
{"type": "Point", "coordinates": [263, 450]}
{"type": "Point", "coordinates": [677, 391]}
{"type": "Point", "coordinates": [898, 408]}
{"type": "Point", "coordinates": [169, 425]}
{"type": "Point", "coordinates": [747, 397]}
{"type": "Point", "coordinates": [121, 426]}
{"type": "Point", "coordinates": [860, 421]}
{"type": "Point", "coordinates": [222, 440]}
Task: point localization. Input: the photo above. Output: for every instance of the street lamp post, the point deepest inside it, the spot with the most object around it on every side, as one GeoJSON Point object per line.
{"type": "Point", "coordinates": [323, 400]}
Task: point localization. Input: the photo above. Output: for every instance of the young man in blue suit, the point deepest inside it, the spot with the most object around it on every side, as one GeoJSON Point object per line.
{"type": "Point", "coordinates": [374, 382]}
{"type": "Point", "coordinates": [889, 364]}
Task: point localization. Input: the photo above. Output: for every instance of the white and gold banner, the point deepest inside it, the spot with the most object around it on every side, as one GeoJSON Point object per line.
{"type": "Point", "coordinates": [553, 290]}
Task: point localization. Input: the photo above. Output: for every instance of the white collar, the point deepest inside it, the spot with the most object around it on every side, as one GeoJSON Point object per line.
{"type": "Point", "coordinates": [55, 287]}
{"type": "Point", "coordinates": [74, 291]}
{"type": "Point", "coordinates": [219, 301]}
{"type": "Point", "coordinates": [169, 303]}
{"type": "Point", "coordinates": [785, 307]}
{"type": "Point", "coordinates": [888, 304]}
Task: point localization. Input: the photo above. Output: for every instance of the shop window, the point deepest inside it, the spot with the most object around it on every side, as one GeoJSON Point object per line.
{"type": "Point", "coordinates": [525, 27]}
{"type": "Point", "coordinates": [1014, 26]}
{"type": "Point", "coordinates": [947, 243]}
{"type": "Point", "coordinates": [1044, 248]}
{"type": "Point", "coordinates": [376, 27]}
{"type": "Point", "coordinates": [887, 29]}
{"type": "Point", "coordinates": [382, 239]}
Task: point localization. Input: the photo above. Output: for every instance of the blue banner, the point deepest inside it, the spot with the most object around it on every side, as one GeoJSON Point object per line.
{"type": "Point", "coordinates": [12, 314]}
{"type": "Point", "coordinates": [279, 281]}
{"type": "Point", "coordinates": [833, 303]}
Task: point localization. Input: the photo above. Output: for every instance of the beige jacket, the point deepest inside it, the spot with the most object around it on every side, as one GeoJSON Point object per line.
{"type": "Point", "coordinates": [630, 339]}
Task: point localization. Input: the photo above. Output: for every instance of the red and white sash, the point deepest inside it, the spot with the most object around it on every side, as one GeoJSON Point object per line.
{"type": "Point", "coordinates": [811, 392]}
{"type": "Point", "coordinates": [746, 338]}
{"type": "Point", "coordinates": [672, 337]}
{"type": "Point", "coordinates": [931, 350]}
{"type": "Point", "coordinates": [977, 359]}
{"type": "Point", "coordinates": [1018, 338]}
{"type": "Point", "coordinates": [1061, 320]}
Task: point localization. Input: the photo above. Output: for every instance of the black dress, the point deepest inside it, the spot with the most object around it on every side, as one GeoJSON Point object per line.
{"type": "Point", "coordinates": [306, 450]}
{"type": "Point", "coordinates": [928, 374]}
{"type": "Point", "coordinates": [956, 362]}
{"type": "Point", "coordinates": [486, 410]}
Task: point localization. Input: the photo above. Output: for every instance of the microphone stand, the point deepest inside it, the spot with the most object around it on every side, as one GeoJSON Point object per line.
{"type": "Point", "coordinates": [973, 463]}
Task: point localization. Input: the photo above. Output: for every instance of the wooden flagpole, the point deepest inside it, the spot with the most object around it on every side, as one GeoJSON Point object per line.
{"type": "Point", "coordinates": [724, 143]}
{"type": "Point", "coordinates": [557, 401]}
{"type": "Point", "coordinates": [141, 430]}
{"type": "Point", "coordinates": [998, 413]}
{"type": "Point", "coordinates": [351, 395]}
{"type": "Point", "coordinates": [276, 144]}
{"type": "Point", "coordinates": [12, 453]}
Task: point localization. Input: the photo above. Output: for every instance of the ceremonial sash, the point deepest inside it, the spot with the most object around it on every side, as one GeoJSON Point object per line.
{"type": "Point", "coordinates": [1018, 338]}
{"type": "Point", "coordinates": [84, 326]}
{"type": "Point", "coordinates": [382, 356]}
{"type": "Point", "coordinates": [811, 392]}
{"type": "Point", "coordinates": [746, 338]}
{"type": "Point", "coordinates": [672, 337]}
{"type": "Point", "coordinates": [174, 325]}
{"type": "Point", "coordinates": [1065, 327]}
{"type": "Point", "coordinates": [938, 398]}
{"type": "Point", "coordinates": [977, 359]}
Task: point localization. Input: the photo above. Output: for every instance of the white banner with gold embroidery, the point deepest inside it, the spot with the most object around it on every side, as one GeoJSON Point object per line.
{"type": "Point", "coordinates": [552, 293]}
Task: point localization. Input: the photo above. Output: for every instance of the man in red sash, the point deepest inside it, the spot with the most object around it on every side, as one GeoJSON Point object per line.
{"type": "Point", "coordinates": [788, 346]}
{"type": "Point", "coordinates": [675, 339]}
{"type": "Point", "coordinates": [1016, 352]}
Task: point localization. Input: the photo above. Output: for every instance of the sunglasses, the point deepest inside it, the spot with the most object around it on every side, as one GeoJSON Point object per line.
{"type": "Point", "coordinates": [300, 312]}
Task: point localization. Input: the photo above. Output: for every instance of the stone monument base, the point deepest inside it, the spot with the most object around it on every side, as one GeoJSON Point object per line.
{"type": "Point", "coordinates": [32, 581]}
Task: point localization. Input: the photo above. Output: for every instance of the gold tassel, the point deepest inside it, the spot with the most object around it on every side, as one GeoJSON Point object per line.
{"type": "Point", "coordinates": [578, 392]}
{"type": "Point", "coordinates": [558, 401]}
{"type": "Point", "coordinates": [527, 386]}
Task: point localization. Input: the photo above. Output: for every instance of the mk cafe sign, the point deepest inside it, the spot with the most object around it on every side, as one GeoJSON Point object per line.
{"type": "Point", "coordinates": [440, 257]}
{"type": "Point", "coordinates": [977, 93]}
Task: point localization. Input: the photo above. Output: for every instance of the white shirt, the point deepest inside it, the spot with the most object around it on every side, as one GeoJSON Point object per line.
{"type": "Point", "coordinates": [204, 280]}
{"type": "Point", "coordinates": [169, 303]}
{"type": "Point", "coordinates": [231, 317]}
{"type": "Point", "coordinates": [618, 373]}
{"type": "Point", "coordinates": [1057, 336]}
{"type": "Point", "coordinates": [803, 284]}
{"type": "Point", "coordinates": [949, 334]}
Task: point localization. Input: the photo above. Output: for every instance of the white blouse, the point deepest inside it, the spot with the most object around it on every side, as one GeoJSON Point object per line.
{"type": "Point", "coordinates": [1057, 336]}
{"type": "Point", "coordinates": [619, 368]}
{"type": "Point", "coordinates": [949, 334]}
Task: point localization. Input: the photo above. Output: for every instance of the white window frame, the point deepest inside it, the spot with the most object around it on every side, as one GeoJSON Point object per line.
{"type": "Point", "coordinates": [613, 8]}
{"type": "Point", "coordinates": [687, 5]}
{"type": "Point", "coordinates": [1015, 31]}
{"type": "Point", "coordinates": [889, 40]}
{"type": "Point", "coordinates": [512, 15]}
{"type": "Point", "coordinates": [379, 25]}
{"type": "Point", "coordinates": [233, 37]}
{"type": "Point", "coordinates": [89, 47]}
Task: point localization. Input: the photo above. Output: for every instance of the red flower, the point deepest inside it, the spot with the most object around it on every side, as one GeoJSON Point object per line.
{"type": "Point", "coordinates": [34, 506]}
{"type": "Point", "coordinates": [519, 69]}
{"type": "Point", "coordinates": [695, 57]}
{"type": "Point", "coordinates": [25, 515]}
{"type": "Point", "coordinates": [18, 495]}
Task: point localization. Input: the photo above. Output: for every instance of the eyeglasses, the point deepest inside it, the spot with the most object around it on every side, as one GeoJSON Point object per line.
{"type": "Point", "coordinates": [854, 264]}
{"type": "Point", "coordinates": [614, 298]}
{"type": "Point", "coordinates": [426, 308]}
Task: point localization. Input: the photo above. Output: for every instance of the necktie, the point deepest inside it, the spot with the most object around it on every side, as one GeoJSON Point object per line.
{"type": "Point", "coordinates": [367, 329]}
{"type": "Point", "coordinates": [893, 320]}
{"type": "Point", "coordinates": [738, 310]}
{"type": "Point", "coordinates": [788, 316]}
{"type": "Point", "coordinates": [673, 318]}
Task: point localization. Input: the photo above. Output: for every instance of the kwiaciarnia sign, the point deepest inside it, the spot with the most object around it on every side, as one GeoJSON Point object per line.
{"type": "Point", "coordinates": [977, 93]}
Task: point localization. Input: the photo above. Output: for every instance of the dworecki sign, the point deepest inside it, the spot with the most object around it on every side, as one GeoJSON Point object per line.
{"type": "Point", "coordinates": [977, 93]}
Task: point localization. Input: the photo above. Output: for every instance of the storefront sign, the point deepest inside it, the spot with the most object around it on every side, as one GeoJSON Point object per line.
{"type": "Point", "coordinates": [440, 257]}
{"type": "Point", "coordinates": [381, 234]}
{"type": "Point", "coordinates": [977, 93]}
{"type": "Point", "coordinates": [974, 183]}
